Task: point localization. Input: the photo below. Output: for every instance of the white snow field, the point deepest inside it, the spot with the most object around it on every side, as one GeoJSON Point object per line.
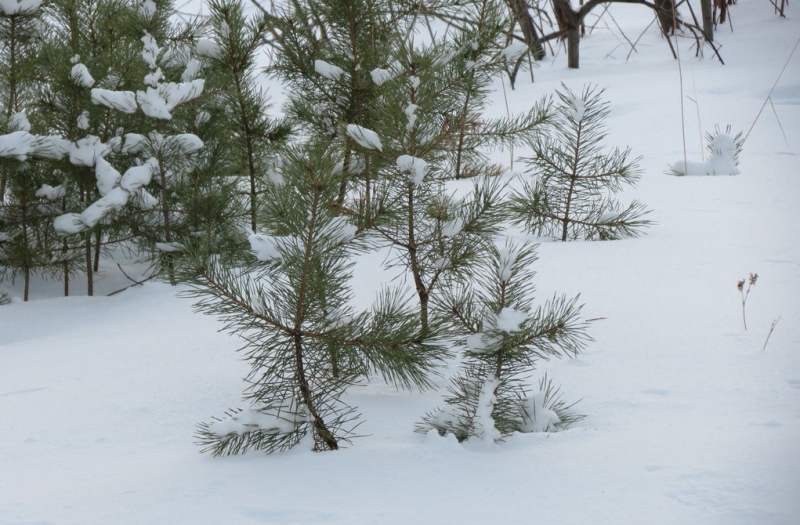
{"type": "Point", "coordinates": [690, 420]}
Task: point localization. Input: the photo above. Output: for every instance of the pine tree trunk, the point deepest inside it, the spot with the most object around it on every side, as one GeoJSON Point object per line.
{"type": "Point", "coordinates": [165, 210]}
{"type": "Point", "coordinates": [317, 422]}
{"type": "Point", "coordinates": [89, 274]}
{"type": "Point", "coordinates": [65, 266]}
{"type": "Point", "coordinates": [320, 428]}
{"type": "Point", "coordinates": [248, 138]}
{"type": "Point", "coordinates": [26, 258]}
{"type": "Point", "coordinates": [416, 270]}
{"type": "Point", "coordinates": [97, 246]}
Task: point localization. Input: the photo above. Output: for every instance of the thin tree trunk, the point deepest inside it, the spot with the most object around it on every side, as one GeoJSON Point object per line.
{"type": "Point", "coordinates": [667, 18]}
{"type": "Point", "coordinates": [416, 271]}
{"type": "Point", "coordinates": [708, 19]}
{"type": "Point", "coordinates": [317, 422]}
{"type": "Point", "coordinates": [167, 224]}
{"type": "Point", "coordinates": [26, 243]}
{"type": "Point", "coordinates": [305, 391]}
{"type": "Point", "coordinates": [89, 274]}
{"type": "Point", "coordinates": [523, 16]}
{"type": "Point", "coordinates": [570, 21]}
{"type": "Point", "coordinates": [573, 46]}
{"type": "Point", "coordinates": [97, 245]}
{"type": "Point", "coordinates": [250, 147]}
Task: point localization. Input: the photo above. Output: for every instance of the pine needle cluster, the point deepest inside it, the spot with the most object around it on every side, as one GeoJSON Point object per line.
{"type": "Point", "coordinates": [572, 192]}
{"type": "Point", "coordinates": [503, 339]}
{"type": "Point", "coordinates": [305, 342]}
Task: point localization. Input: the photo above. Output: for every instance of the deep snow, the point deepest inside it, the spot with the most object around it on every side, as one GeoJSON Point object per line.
{"type": "Point", "coordinates": [688, 420]}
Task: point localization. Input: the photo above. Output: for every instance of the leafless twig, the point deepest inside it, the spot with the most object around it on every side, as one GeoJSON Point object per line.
{"type": "Point", "coordinates": [134, 281]}
{"type": "Point", "coordinates": [771, 328]}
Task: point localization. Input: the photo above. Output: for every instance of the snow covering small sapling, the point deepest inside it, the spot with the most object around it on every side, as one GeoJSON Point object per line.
{"type": "Point", "coordinates": [503, 338]}
{"type": "Point", "coordinates": [162, 155]}
{"type": "Point", "coordinates": [305, 343]}
{"type": "Point", "coordinates": [724, 150]}
{"type": "Point", "coordinates": [75, 59]}
{"type": "Point", "coordinates": [745, 293]}
{"type": "Point", "coordinates": [574, 181]}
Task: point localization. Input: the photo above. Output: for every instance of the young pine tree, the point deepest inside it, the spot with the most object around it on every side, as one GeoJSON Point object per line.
{"type": "Point", "coordinates": [432, 131]}
{"type": "Point", "coordinates": [27, 242]}
{"type": "Point", "coordinates": [326, 53]}
{"type": "Point", "coordinates": [504, 338]}
{"type": "Point", "coordinates": [572, 194]}
{"type": "Point", "coordinates": [304, 341]}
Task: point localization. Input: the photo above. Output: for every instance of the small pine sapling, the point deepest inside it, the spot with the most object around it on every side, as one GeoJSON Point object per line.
{"type": "Point", "coordinates": [572, 194]}
{"type": "Point", "coordinates": [326, 51]}
{"type": "Point", "coordinates": [723, 151]}
{"type": "Point", "coordinates": [88, 44]}
{"type": "Point", "coordinates": [305, 343]}
{"type": "Point", "coordinates": [504, 338]}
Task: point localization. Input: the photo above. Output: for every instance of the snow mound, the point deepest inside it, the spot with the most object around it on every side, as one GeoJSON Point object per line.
{"type": "Point", "coordinates": [724, 152]}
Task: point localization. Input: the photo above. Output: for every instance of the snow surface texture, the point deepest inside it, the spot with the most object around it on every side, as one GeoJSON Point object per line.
{"type": "Point", "coordinates": [689, 421]}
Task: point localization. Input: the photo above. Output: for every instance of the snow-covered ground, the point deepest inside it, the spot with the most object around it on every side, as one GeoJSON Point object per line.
{"type": "Point", "coordinates": [689, 419]}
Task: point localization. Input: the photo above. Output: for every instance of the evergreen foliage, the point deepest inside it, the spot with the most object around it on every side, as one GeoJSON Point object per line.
{"type": "Point", "coordinates": [327, 52]}
{"type": "Point", "coordinates": [390, 123]}
{"type": "Point", "coordinates": [159, 139]}
{"type": "Point", "coordinates": [248, 134]}
{"type": "Point", "coordinates": [408, 117]}
{"type": "Point", "coordinates": [504, 338]}
{"type": "Point", "coordinates": [88, 44]}
{"type": "Point", "coordinates": [432, 102]}
{"type": "Point", "coordinates": [26, 240]}
{"type": "Point", "coordinates": [174, 199]}
{"type": "Point", "coordinates": [572, 194]}
{"type": "Point", "coordinates": [305, 343]}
